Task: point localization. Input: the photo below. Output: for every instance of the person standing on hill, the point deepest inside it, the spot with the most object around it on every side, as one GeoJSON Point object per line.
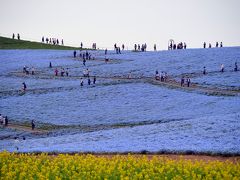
{"type": "Point", "coordinates": [236, 67]}
{"type": "Point", "coordinates": [185, 45]}
{"type": "Point", "coordinates": [123, 47]}
{"type": "Point", "coordinates": [62, 43]}
{"type": "Point", "coordinates": [56, 72]}
{"type": "Point", "coordinates": [24, 87]}
{"type": "Point", "coordinates": [67, 72]}
{"type": "Point", "coordinates": [33, 70]}
{"type": "Point", "coordinates": [33, 125]}
{"type": "Point", "coordinates": [74, 53]}
{"type": "Point", "coordinates": [89, 81]}
{"type": "Point", "coordinates": [204, 45]}
{"type": "Point", "coordinates": [216, 44]}
{"type": "Point", "coordinates": [135, 47]}
{"type": "Point", "coordinates": [188, 82]}
{"type": "Point", "coordinates": [81, 82]}
{"type": "Point", "coordinates": [13, 36]}
{"type": "Point", "coordinates": [6, 121]}
{"type": "Point", "coordinates": [222, 68]}
{"type": "Point", "coordinates": [81, 45]}
{"type": "Point", "coordinates": [182, 81]}
{"type": "Point", "coordinates": [18, 36]}
{"type": "Point", "coordinates": [204, 70]}
{"type": "Point", "coordinates": [209, 45]}
{"type": "Point", "coordinates": [221, 45]}
{"type": "Point", "coordinates": [155, 47]}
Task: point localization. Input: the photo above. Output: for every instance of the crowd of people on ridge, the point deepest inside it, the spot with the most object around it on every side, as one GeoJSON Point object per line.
{"type": "Point", "coordinates": [210, 45]}
{"type": "Point", "coordinates": [142, 48]}
{"type": "Point", "coordinates": [180, 45]}
{"type": "Point", "coordinates": [18, 36]}
{"type": "Point", "coordinates": [53, 41]}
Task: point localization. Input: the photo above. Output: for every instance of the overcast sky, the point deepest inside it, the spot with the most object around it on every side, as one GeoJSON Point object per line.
{"type": "Point", "coordinates": [124, 21]}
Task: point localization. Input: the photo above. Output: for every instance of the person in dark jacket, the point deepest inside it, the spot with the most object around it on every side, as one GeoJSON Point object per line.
{"type": "Point", "coordinates": [33, 125]}
{"type": "Point", "coordinates": [182, 81]}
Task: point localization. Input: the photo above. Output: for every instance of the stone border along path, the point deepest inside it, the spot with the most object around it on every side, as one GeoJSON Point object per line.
{"type": "Point", "coordinates": [171, 83]}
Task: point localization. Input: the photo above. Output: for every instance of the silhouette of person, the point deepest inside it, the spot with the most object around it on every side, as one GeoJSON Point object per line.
{"type": "Point", "coordinates": [236, 67]}
{"type": "Point", "coordinates": [33, 125]}
{"type": "Point", "coordinates": [204, 45]}
{"type": "Point", "coordinates": [24, 88]}
{"type": "Point", "coordinates": [204, 70]}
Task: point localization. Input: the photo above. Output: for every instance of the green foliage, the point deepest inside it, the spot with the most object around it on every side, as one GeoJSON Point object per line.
{"type": "Point", "coordinates": [8, 43]}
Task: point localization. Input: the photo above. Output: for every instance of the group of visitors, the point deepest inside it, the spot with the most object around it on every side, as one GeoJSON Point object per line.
{"type": "Point", "coordinates": [94, 46]}
{"type": "Point", "coordinates": [162, 76]}
{"type": "Point", "coordinates": [62, 71]}
{"type": "Point", "coordinates": [210, 45]}
{"type": "Point", "coordinates": [18, 36]}
{"type": "Point", "coordinates": [53, 41]}
{"type": "Point", "coordinates": [88, 81]}
{"type": "Point", "coordinates": [140, 48]}
{"type": "Point", "coordinates": [180, 45]}
{"type": "Point", "coordinates": [84, 55]}
{"type": "Point", "coordinates": [186, 81]}
{"type": "Point", "coordinates": [27, 70]}
{"type": "Point", "coordinates": [116, 48]}
{"type": "Point", "coordinates": [222, 68]}
{"type": "Point", "coordinates": [3, 120]}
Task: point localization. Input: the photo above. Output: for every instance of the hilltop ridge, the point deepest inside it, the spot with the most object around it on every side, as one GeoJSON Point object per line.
{"type": "Point", "coordinates": [8, 43]}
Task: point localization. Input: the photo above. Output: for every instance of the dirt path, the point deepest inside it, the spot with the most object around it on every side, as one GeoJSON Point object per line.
{"type": "Point", "coordinates": [171, 83]}
{"type": "Point", "coordinates": [27, 129]}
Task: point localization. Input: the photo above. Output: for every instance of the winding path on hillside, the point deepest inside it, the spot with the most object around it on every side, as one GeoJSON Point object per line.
{"type": "Point", "coordinates": [170, 83]}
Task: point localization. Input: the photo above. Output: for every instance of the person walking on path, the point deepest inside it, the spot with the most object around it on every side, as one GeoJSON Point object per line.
{"type": "Point", "coordinates": [222, 68]}
{"type": "Point", "coordinates": [236, 67]}
{"type": "Point", "coordinates": [204, 70]}
{"type": "Point", "coordinates": [188, 82]}
{"type": "Point", "coordinates": [33, 125]}
{"type": "Point", "coordinates": [74, 53]}
{"type": "Point", "coordinates": [81, 82]}
{"type": "Point", "coordinates": [204, 45]}
{"type": "Point", "coordinates": [33, 70]}
{"type": "Point", "coordinates": [182, 81]}
{"type": "Point", "coordinates": [6, 121]}
{"type": "Point", "coordinates": [24, 88]}
{"type": "Point", "coordinates": [67, 72]}
{"type": "Point", "coordinates": [56, 72]}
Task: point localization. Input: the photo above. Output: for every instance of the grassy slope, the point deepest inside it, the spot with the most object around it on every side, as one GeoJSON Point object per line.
{"type": "Point", "coordinates": [8, 43]}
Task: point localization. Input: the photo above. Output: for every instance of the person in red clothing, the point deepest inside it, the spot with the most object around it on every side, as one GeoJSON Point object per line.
{"type": "Point", "coordinates": [56, 72]}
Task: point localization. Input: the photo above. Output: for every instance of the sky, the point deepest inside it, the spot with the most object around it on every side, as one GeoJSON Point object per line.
{"type": "Point", "coordinates": [106, 22]}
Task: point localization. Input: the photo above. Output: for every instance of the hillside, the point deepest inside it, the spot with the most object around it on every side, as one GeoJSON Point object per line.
{"type": "Point", "coordinates": [8, 43]}
{"type": "Point", "coordinates": [127, 109]}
